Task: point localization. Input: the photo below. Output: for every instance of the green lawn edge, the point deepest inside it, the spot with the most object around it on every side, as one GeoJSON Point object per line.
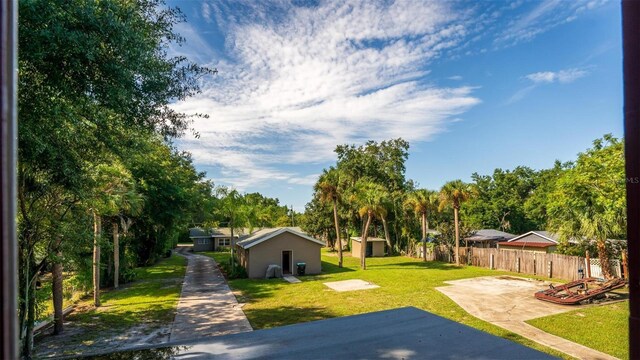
{"type": "Point", "coordinates": [601, 327]}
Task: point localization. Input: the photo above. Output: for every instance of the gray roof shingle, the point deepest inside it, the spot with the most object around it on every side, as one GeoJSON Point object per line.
{"type": "Point", "coordinates": [266, 234]}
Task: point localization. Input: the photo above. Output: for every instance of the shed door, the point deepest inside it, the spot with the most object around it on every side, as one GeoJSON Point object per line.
{"type": "Point", "coordinates": [369, 251]}
{"type": "Point", "coordinates": [286, 262]}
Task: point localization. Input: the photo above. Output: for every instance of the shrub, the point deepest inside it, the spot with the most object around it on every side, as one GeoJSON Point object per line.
{"type": "Point", "coordinates": [127, 275]}
{"type": "Point", "coordinates": [235, 272]}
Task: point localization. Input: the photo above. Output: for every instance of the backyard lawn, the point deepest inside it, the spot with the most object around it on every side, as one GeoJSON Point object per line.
{"type": "Point", "coordinates": [151, 298]}
{"type": "Point", "coordinates": [403, 282]}
{"type": "Point", "coordinates": [603, 328]}
{"type": "Point", "coordinates": [136, 309]}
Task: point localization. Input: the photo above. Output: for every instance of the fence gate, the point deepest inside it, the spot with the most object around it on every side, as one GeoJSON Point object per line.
{"type": "Point", "coordinates": [596, 269]}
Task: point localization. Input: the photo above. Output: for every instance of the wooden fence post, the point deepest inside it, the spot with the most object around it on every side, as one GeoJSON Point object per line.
{"type": "Point", "coordinates": [518, 265]}
{"type": "Point", "coordinates": [625, 265]}
{"type": "Point", "coordinates": [491, 263]}
{"type": "Point", "coordinates": [550, 269]}
{"type": "Point", "coordinates": [587, 260]}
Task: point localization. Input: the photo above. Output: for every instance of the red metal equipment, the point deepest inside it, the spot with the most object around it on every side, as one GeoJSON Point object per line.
{"type": "Point", "coordinates": [578, 291]}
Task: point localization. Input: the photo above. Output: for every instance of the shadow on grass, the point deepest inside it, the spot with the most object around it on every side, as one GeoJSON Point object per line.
{"type": "Point", "coordinates": [330, 268]}
{"type": "Point", "coordinates": [253, 289]}
{"type": "Point", "coordinates": [437, 265]}
{"type": "Point", "coordinates": [119, 317]}
{"type": "Point", "coordinates": [285, 315]}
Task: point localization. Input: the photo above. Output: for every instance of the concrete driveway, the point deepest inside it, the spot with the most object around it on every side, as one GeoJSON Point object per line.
{"type": "Point", "coordinates": [508, 302]}
{"type": "Point", "coordinates": [207, 306]}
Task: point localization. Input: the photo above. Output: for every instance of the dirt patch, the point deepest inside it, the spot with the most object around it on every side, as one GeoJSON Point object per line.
{"type": "Point", "coordinates": [78, 339]}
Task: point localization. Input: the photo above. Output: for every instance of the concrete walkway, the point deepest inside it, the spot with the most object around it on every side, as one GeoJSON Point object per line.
{"type": "Point", "coordinates": [508, 302]}
{"type": "Point", "coordinates": [291, 279]}
{"type": "Point", "coordinates": [207, 306]}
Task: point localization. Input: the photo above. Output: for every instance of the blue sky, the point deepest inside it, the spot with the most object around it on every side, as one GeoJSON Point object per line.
{"type": "Point", "coordinates": [473, 86]}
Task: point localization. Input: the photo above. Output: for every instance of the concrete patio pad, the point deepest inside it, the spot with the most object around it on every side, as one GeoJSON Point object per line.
{"type": "Point", "coordinates": [508, 302]}
{"type": "Point", "coordinates": [350, 285]}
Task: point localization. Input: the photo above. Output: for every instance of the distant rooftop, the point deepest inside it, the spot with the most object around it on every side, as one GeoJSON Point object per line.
{"type": "Point", "coordinates": [490, 234]}
{"type": "Point", "coordinates": [369, 239]}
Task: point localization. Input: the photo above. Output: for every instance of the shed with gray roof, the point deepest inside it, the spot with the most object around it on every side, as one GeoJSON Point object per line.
{"type": "Point", "coordinates": [284, 246]}
{"type": "Point", "coordinates": [488, 238]}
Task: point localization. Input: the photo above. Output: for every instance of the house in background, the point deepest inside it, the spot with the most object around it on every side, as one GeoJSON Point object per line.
{"type": "Point", "coordinates": [487, 238]}
{"type": "Point", "coordinates": [283, 246]}
{"type": "Point", "coordinates": [375, 247]}
{"type": "Point", "coordinates": [536, 241]}
{"type": "Point", "coordinates": [202, 241]}
{"type": "Point", "coordinates": [214, 239]}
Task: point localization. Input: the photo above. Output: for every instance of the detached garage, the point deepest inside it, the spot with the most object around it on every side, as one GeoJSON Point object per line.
{"type": "Point", "coordinates": [279, 246]}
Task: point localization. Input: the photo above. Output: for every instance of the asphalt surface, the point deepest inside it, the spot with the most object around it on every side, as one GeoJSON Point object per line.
{"type": "Point", "coordinates": [405, 333]}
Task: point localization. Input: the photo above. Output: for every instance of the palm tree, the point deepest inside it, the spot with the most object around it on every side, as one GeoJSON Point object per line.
{"type": "Point", "coordinates": [370, 198]}
{"type": "Point", "coordinates": [593, 222]}
{"type": "Point", "coordinates": [453, 194]}
{"type": "Point", "coordinates": [328, 190]}
{"type": "Point", "coordinates": [112, 188]}
{"type": "Point", "coordinates": [130, 203]}
{"type": "Point", "coordinates": [231, 207]}
{"type": "Point", "coordinates": [423, 202]}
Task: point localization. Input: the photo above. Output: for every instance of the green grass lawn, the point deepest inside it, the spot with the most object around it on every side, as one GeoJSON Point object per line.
{"type": "Point", "coordinates": [603, 328]}
{"type": "Point", "coordinates": [151, 299]}
{"type": "Point", "coordinates": [403, 282]}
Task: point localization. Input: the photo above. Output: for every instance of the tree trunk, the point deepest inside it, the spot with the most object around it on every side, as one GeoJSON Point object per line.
{"type": "Point", "coordinates": [31, 319]}
{"type": "Point", "coordinates": [424, 236]}
{"type": "Point", "coordinates": [57, 293]}
{"type": "Point", "coordinates": [455, 220]}
{"type": "Point", "coordinates": [233, 245]}
{"type": "Point", "coordinates": [335, 219]}
{"type": "Point", "coordinates": [603, 256]}
{"type": "Point", "coordinates": [363, 244]}
{"type": "Point", "coordinates": [97, 229]}
{"type": "Point", "coordinates": [26, 312]}
{"type": "Point", "coordinates": [116, 254]}
{"type": "Point", "coordinates": [386, 233]}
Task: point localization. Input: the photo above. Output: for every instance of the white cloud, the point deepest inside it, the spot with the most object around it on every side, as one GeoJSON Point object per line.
{"type": "Point", "coordinates": [309, 79]}
{"type": "Point", "coordinates": [305, 180]}
{"type": "Point", "coordinates": [547, 77]}
{"type": "Point", "coordinates": [295, 81]}
{"type": "Point", "coordinates": [520, 94]}
{"type": "Point", "coordinates": [455, 77]}
{"type": "Point", "coordinates": [544, 16]}
{"type": "Point", "coordinates": [562, 76]}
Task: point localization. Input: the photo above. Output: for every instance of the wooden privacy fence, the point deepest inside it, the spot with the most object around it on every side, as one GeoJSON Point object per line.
{"type": "Point", "coordinates": [526, 262]}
